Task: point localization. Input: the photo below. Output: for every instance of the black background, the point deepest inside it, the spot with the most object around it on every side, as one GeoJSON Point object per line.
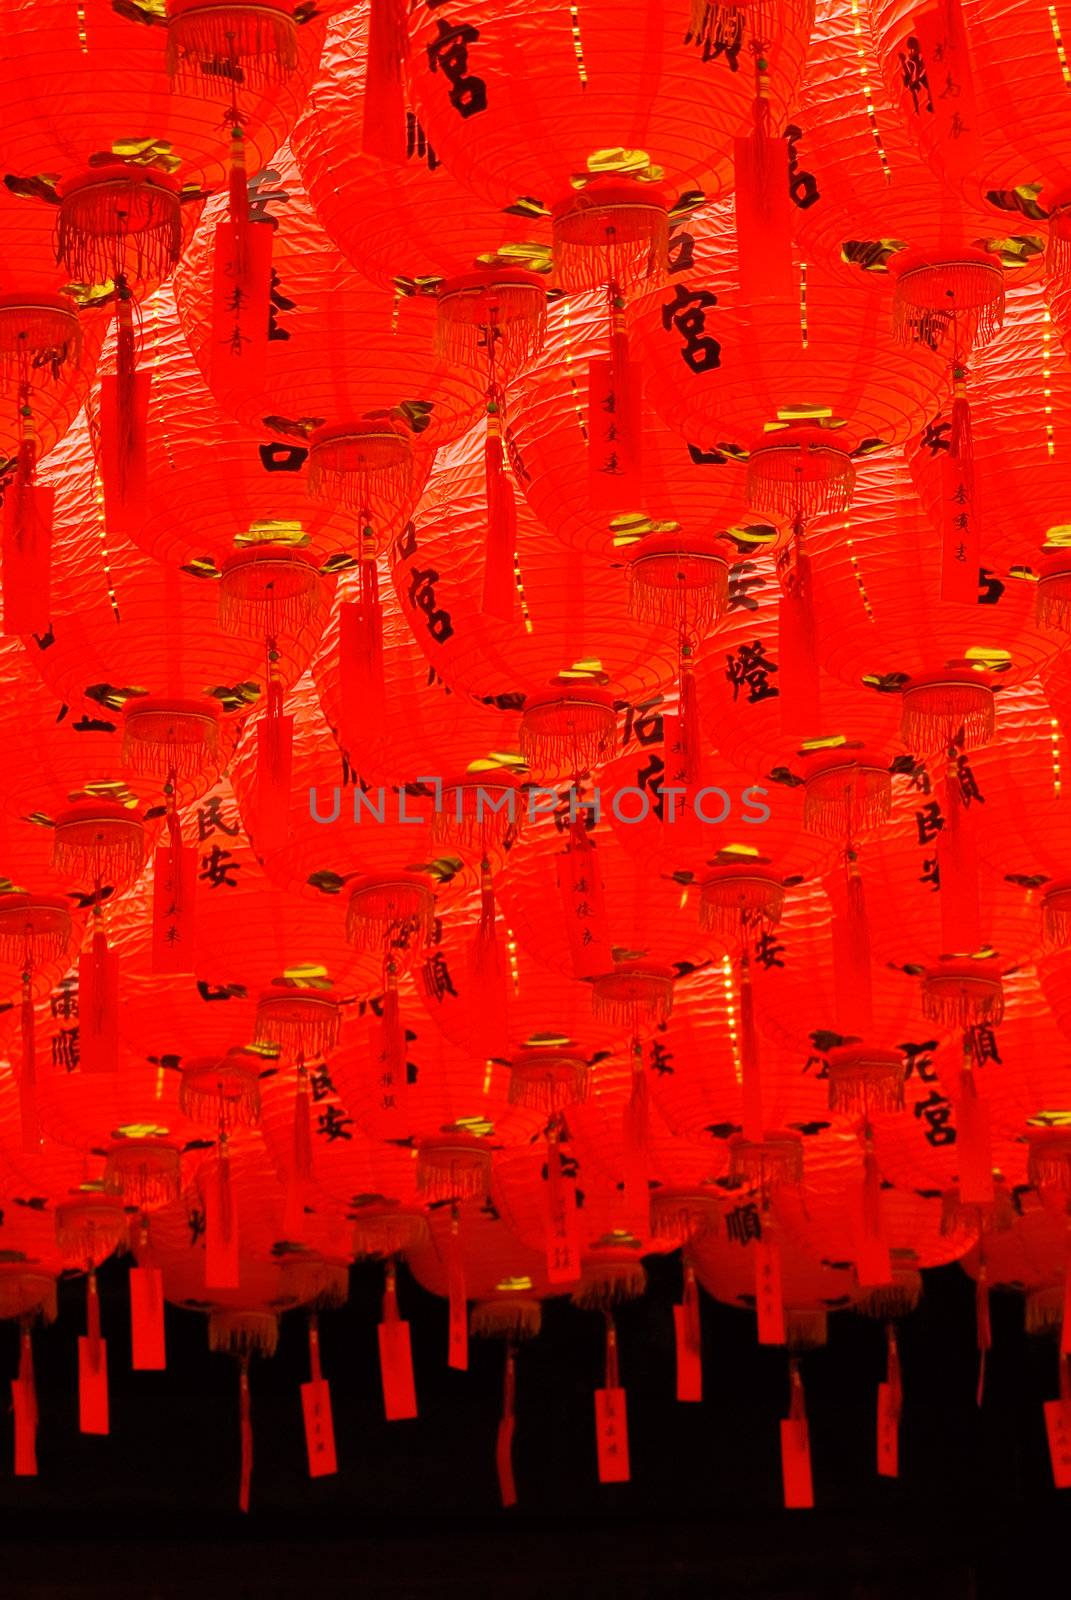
{"type": "Point", "coordinates": [151, 1509]}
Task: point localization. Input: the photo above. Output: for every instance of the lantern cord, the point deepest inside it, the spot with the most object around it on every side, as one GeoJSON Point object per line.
{"type": "Point", "coordinates": [31, 1134]}
{"type": "Point", "coordinates": [985, 1333]}
{"type": "Point", "coordinates": [893, 1373]}
{"type": "Point", "coordinates": [504, 1448]}
{"type": "Point", "coordinates": [245, 1414]}
{"type": "Point", "coordinates": [315, 1369]}
{"type": "Point", "coordinates": [690, 1303]}
{"type": "Point", "coordinates": [613, 1372]}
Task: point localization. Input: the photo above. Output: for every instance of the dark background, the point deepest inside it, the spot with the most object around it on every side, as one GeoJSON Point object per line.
{"type": "Point", "coordinates": [151, 1510]}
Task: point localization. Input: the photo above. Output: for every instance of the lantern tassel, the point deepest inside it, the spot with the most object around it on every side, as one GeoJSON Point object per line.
{"type": "Point", "coordinates": [300, 1158]}
{"type": "Point", "coordinates": [459, 1318]}
{"type": "Point", "coordinates": [958, 867]}
{"type": "Point", "coordinates": [488, 969]}
{"type": "Point", "coordinates": [275, 744]}
{"type": "Point", "coordinates": [245, 1414]}
{"type": "Point", "coordinates": [98, 989]}
{"type": "Point", "coordinates": [985, 1332]}
{"type": "Point", "coordinates": [27, 546]}
{"type": "Point", "coordinates": [690, 739]}
{"type": "Point", "coordinates": [636, 1143]}
{"type": "Point", "coordinates": [749, 1057]}
{"type": "Point", "coordinates": [93, 1320]}
{"type": "Point", "coordinates": [499, 585]}
{"type": "Point", "coordinates": [507, 1487]}
{"type": "Point", "coordinates": [361, 657]}
{"type": "Point", "coordinates": [763, 221]}
{"type": "Point", "coordinates": [851, 956]}
{"type": "Point", "coordinates": [24, 1401]}
{"type": "Point", "coordinates": [690, 1305]}
{"type": "Point", "coordinates": [384, 126]}
{"type": "Point", "coordinates": [798, 679]}
{"type": "Point", "coordinates": [126, 458]}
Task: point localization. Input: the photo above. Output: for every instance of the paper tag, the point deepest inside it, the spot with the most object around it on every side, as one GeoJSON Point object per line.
{"type": "Point", "coordinates": [173, 899]}
{"type": "Point", "coordinates": [458, 1355]}
{"type": "Point", "coordinates": [563, 1237]}
{"type": "Point", "coordinates": [769, 1301]}
{"type": "Point", "coordinates": [888, 1433]}
{"type": "Point", "coordinates": [942, 97]}
{"type": "Point", "coordinates": [24, 1406]}
{"type": "Point", "coordinates": [1058, 1428]}
{"type": "Point", "coordinates": [583, 904]}
{"type": "Point", "coordinates": [27, 558]}
{"type": "Point", "coordinates": [221, 1244]}
{"type": "Point", "coordinates": [613, 432]}
{"type": "Point", "coordinates": [507, 1486]}
{"type": "Point", "coordinates": [98, 1011]}
{"type": "Point", "coordinates": [974, 1147]}
{"type": "Point", "coordinates": [873, 1264]}
{"type": "Point", "coordinates": [960, 549]}
{"type": "Point", "coordinates": [123, 460]}
{"type": "Point", "coordinates": [396, 1371]}
{"type": "Point", "coordinates": [92, 1387]}
{"type": "Point", "coordinates": [241, 309]}
{"type": "Point", "coordinates": [148, 1351]}
{"type": "Point", "coordinates": [689, 1360]}
{"type": "Point", "coordinates": [319, 1428]}
{"type": "Point", "coordinates": [796, 1465]}
{"type": "Point", "coordinates": [611, 1435]}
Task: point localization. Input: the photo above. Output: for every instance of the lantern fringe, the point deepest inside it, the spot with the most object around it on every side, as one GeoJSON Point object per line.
{"type": "Point", "coordinates": [766, 1163]}
{"type": "Point", "coordinates": [46, 944]}
{"type": "Point", "coordinates": [962, 1000]}
{"type": "Point", "coordinates": [243, 1333]}
{"type": "Point", "coordinates": [1058, 253]}
{"type": "Point", "coordinates": [44, 337]}
{"type": "Point", "coordinates": [109, 846]}
{"type": "Point", "coordinates": [360, 470]}
{"type": "Point", "coordinates": [449, 1172]}
{"type": "Point", "coordinates": [778, 481]}
{"type": "Point", "coordinates": [162, 740]}
{"type": "Point", "coordinates": [88, 1232]}
{"type": "Point", "coordinates": [606, 1284]}
{"type": "Point", "coordinates": [892, 1300]}
{"type": "Point", "coordinates": [252, 47]}
{"type": "Point", "coordinates": [1053, 602]}
{"type": "Point", "coordinates": [316, 1284]}
{"type": "Point", "coordinates": [735, 902]}
{"type": "Point", "coordinates": [931, 300]}
{"type": "Point", "coordinates": [683, 1218]}
{"type": "Point", "coordinates": [960, 1218]}
{"type": "Point", "coordinates": [456, 821]}
{"type": "Point", "coordinates": [253, 610]}
{"type": "Point", "coordinates": [842, 802]}
{"type": "Point", "coordinates": [865, 1083]}
{"type": "Point", "coordinates": [1045, 1309]}
{"type": "Point", "coordinates": [378, 1233]}
{"type": "Point", "coordinates": [548, 1083]}
{"type": "Point", "coordinates": [716, 26]}
{"type": "Point", "coordinates": [599, 241]}
{"type": "Point", "coordinates": [143, 1173]}
{"type": "Point", "coordinates": [932, 715]}
{"type": "Point", "coordinates": [699, 604]}
{"type": "Point", "coordinates": [220, 1095]}
{"type": "Point", "coordinates": [509, 1318]}
{"type": "Point", "coordinates": [462, 322]}
{"type": "Point", "coordinates": [806, 1330]}
{"type": "Point", "coordinates": [395, 912]}
{"type": "Point", "coordinates": [633, 1001]}
{"type": "Point", "coordinates": [300, 1024]}
{"type": "Point", "coordinates": [88, 240]}
{"type": "Point", "coordinates": [27, 1294]}
{"type": "Point", "coordinates": [1049, 1167]}
{"type": "Point", "coordinates": [572, 734]}
{"type": "Point", "coordinates": [1056, 918]}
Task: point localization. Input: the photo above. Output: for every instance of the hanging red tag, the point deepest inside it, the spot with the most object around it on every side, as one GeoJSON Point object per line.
{"type": "Point", "coordinates": [275, 760]}
{"type": "Point", "coordinates": [221, 1232]}
{"type": "Point", "coordinates": [974, 1145]}
{"type": "Point", "coordinates": [396, 1371]}
{"type": "Point", "coordinates": [241, 306]}
{"type": "Point", "coordinates": [799, 679]}
{"type": "Point", "coordinates": [961, 559]}
{"type": "Point", "coordinates": [583, 902]}
{"type": "Point", "coordinates": [98, 1007]}
{"type": "Point", "coordinates": [27, 557]}
{"type": "Point", "coordinates": [796, 1464]}
{"type": "Point", "coordinates": [563, 1236]}
{"type": "Point", "coordinates": [319, 1428]}
{"type": "Point", "coordinates": [1058, 1428]}
{"type": "Point", "coordinates": [174, 889]}
{"type": "Point", "coordinates": [763, 219]}
{"type": "Point", "coordinates": [123, 453]}
{"type": "Point", "coordinates": [769, 1300]}
{"type": "Point", "coordinates": [873, 1264]}
{"type": "Point", "coordinates": [1065, 1326]}
{"type": "Point", "coordinates": [92, 1385]}
{"type": "Point", "coordinates": [614, 389]}
{"type": "Point", "coordinates": [689, 1360]}
{"type": "Point", "coordinates": [939, 86]}
{"type": "Point", "coordinates": [24, 1407]}
{"type": "Point", "coordinates": [611, 1435]}
{"type": "Point", "coordinates": [147, 1344]}
{"type": "Point", "coordinates": [458, 1355]}
{"type": "Point", "coordinates": [888, 1432]}
{"type": "Point", "coordinates": [507, 1486]}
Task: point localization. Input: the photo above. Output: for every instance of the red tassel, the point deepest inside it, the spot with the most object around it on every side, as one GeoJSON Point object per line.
{"type": "Point", "coordinates": [499, 583]}
{"type": "Point", "coordinates": [360, 641]}
{"type": "Point", "coordinates": [873, 1264]}
{"type": "Point", "coordinates": [985, 1331]}
{"type": "Point", "coordinates": [24, 1406]}
{"type": "Point", "coordinates": [507, 1487]}
{"type": "Point", "coordinates": [583, 902]}
{"type": "Point", "coordinates": [241, 288]}
{"type": "Point", "coordinates": [636, 1146]}
{"type": "Point", "coordinates": [174, 890]}
{"type": "Point", "coordinates": [27, 547]}
{"type": "Point", "coordinates": [890, 1408]}
{"type": "Point", "coordinates": [957, 858]}
{"type": "Point", "coordinates": [689, 1340]}
{"type": "Point", "coordinates": [750, 1071]}
{"type": "Point", "coordinates": [689, 742]}
{"type": "Point", "coordinates": [851, 955]}
{"type": "Point", "coordinates": [148, 1349]}
{"type": "Point", "coordinates": [124, 419]}
{"type": "Point", "coordinates": [458, 1357]}
{"type": "Point", "coordinates": [489, 971]}
{"type": "Point", "coordinates": [763, 210]}
{"type": "Point", "coordinates": [245, 1414]}
{"type": "Point", "coordinates": [961, 533]}
{"type": "Point", "coordinates": [395, 1357]}
{"type": "Point", "coordinates": [275, 748]}
{"type": "Point", "coordinates": [31, 1130]}
{"type": "Point", "coordinates": [798, 676]}
{"type": "Point", "coordinates": [300, 1158]}
{"type": "Point", "coordinates": [974, 1147]}
{"type": "Point", "coordinates": [92, 1367]}
{"type": "Point", "coordinates": [384, 89]}
{"type": "Point", "coordinates": [98, 1006]}
{"type": "Point", "coordinates": [796, 1448]}
{"type": "Point", "coordinates": [563, 1234]}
